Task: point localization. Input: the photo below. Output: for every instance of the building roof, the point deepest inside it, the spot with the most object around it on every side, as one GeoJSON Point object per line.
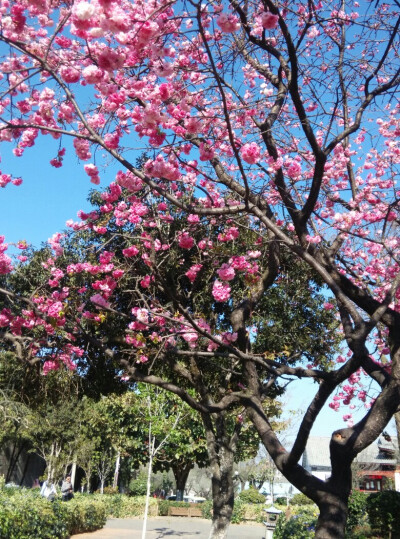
{"type": "Point", "coordinates": [317, 456]}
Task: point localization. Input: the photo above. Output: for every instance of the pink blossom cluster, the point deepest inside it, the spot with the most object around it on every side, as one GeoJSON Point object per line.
{"type": "Point", "coordinates": [228, 22]}
{"type": "Point", "coordinates": [5, 261]}
{"type": "Point", "coordinates": [185, 241]}
{"type": "Point", "coordinates": [193, 272]}
{"type": "Point", "coordinates": [221, 291]}
{"type": "Point", "coordinates": [226, 272]}
{"type": "Point", "coordinates": [250, 152]}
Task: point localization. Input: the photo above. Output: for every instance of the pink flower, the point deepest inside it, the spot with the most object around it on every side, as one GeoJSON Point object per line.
{"type": "Point", "coordinates": [229, 235]}
{"type": "Point", "coordinates": [206, 151]}
{"type": "Point", "coordinates": [92, 171]}
{"type": "Point", "coordinates": [254, 254]}
{"type": "Point", "coordinates": [193, 271]}
{"type": "Point", "coordinates": [70, 74]}
{"type": "Point", "coordinates": [250, 153]}
{"type": "Point", "coordinates": [328, 306]}
{"type": "Point", "coordinates": [186, 241]}
{"type": "Point", "coordinates": [221, 292]}
{"type": "Point", "coordinates": [191, 338]}
{"type": "Point", "coordinates": [110, 59]}
{"type": "Point", "coordinates": [268, 20]}
{"type": "Point", "coordinates": [5, 318]}
{"type": "Point", "coordinates": [50, 365]}
{"type": "Point", "coordinates": [93, 74]}
{"type": "Point", "coordinates": [130, 251]}
{"type": "Point", "coordinates": [226, 272]}
{"type": "Point", "coordinates": [145, 282]}
{"type": "Point", "coordinates": [83, 11]}
{"type": "Point", "coordinates": [55, 310]}
{"type": "Point", "coordinates": [193, 218]}
{"type": "Point", "coordinates": [99, 301]}
{"type": "Point", "coordinates": [313, 239]}
{"type": "Point", "coordinates": [228, 23]}
{"type": "Point", "coordinates": [142, 316]}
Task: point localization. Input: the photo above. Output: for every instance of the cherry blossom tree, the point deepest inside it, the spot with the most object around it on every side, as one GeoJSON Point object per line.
{"type": "Point", "coordinates": [274, 124]}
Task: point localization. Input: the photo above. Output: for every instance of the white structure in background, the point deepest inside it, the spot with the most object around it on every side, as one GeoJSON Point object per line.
{"type": "Point", "coordinates": [378, 461]}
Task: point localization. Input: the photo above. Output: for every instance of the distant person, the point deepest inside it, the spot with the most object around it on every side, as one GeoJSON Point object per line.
{"type": "Point", "coordinates": [67, 490]}
{"type": "Point", "coordinates": [48, 491]}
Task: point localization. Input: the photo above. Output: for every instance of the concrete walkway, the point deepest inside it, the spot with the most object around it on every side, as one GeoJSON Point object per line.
{"type": "Point", "coordinates": [169, 528]}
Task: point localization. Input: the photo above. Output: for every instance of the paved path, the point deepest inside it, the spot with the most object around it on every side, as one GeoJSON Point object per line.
{"type": "Point", "coordinates": [169, 528]}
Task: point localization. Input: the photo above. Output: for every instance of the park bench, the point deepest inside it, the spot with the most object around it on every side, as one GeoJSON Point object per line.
{"type": "Point", "coordinates": [185, 511]}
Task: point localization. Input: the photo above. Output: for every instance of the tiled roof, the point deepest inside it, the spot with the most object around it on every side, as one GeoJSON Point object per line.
{"type": "Point", "coordinates": [317, 453]}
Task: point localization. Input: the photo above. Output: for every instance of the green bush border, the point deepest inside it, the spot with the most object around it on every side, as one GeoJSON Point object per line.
{"type": "Point", "coordinates": [24, 514]}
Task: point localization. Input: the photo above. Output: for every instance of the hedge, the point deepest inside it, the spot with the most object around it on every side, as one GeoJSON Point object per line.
{"type": "Point", "coordinates": [122, 506]}
{"type": "Point", "coordinates": [24, 514]}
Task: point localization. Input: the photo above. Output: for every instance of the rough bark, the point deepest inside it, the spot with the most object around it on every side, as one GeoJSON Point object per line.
{"type": "Point", "coordinates": [332, 518]}
{"type": "Point", "coordinates": [223, 496]}
{"type": "Point", "coordinates": [221, 450]}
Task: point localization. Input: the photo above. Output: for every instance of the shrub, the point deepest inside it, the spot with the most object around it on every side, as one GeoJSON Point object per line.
{"type": "Point", "coordinates": [110, 490]}
{"type": "Point", "coordinates": [383, 511]}
{"type": "Point", "coordinates": [24, 514]}
{"type": "Point", "coordinates": [206, 509]}
{"type": "Point", "coordinates": [300, 526]}
{"type": "Point", "coordinates": [251, 495]}
{"type": "Point", "coordinates": [254, 512]}
{"type": "Point", "coordinates": [138, 487]}
{"type": "Point", "coordinates": [122, 506]}
{"type": "Point", "coordinates": [301, 499]}
{"type": "Point", "coordinates": [356, 510]}
{"type": "Point", "coordinates": [84, 514]}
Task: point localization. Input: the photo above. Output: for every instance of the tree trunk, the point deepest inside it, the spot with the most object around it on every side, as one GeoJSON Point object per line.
{"type": "Point", "coordinates": [332, 518]}
{"type": "Point", "coordinates": [116, 471]}
{"type": "Point", "coordinates": [181, 474]}
{"type": "Point", "coordinates": [16, 453]}
{"type": "Point", "coordinates": [25, 469]}
{"type": "Point", "coordinates": [221, 450]}
{"type": "Point", "coordinates": [331, 495]}
{"type": "Point", "coordinates": [73, 473]}
{"type": "Point", "coordinates": [150, 464]}
{"type": "Point", "coordinates": [223, 498]}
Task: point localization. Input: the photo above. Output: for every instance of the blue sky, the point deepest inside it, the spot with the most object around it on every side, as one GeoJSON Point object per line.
{"type": "Point", "coordinates": [297, 399]}
{"type": "Point", "coordinates": [48, 196]}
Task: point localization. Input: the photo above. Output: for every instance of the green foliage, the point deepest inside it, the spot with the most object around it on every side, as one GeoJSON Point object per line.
{"type": "Point", "coordinates": [300, 526]}
{"type": "Point", "coordinates": [24, 514]}
{"type": "Point", "coordinates": [110, 490]}
{"type": "Point", "coordinates": [254, 512]}
{"type": "Point", "coordinates": [251, 495]}
{"type": "Point", "coordinates": [301, 499]}
{"type": "Point", "coordinates": [383, 511]}
{"type": "Point", "coordinates": [239, 512]}
{"type": "Point", "coordinates": [164, 505]}
{"type": "Point", "coordinates": [122, 506]}
{"type": "Point", "coordinates": [138, 487]}
{"type": "Point", "coordinates": [356, 510]}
